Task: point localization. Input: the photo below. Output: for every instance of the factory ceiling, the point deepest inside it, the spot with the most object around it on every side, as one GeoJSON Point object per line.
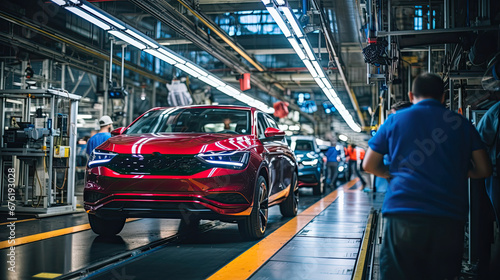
{"type": "Point", "coordinates": [229, 38]}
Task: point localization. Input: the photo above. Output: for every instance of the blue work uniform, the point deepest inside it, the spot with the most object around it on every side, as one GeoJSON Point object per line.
{"type": "Point", "coordinates": [426, 203]}
{"type": "Point", "coordinates": [97, 140]}
{"type": "Point", "coordinates": [429, 150]}
{"type": "Point", "coordinates": [487, 127]}
{"type": "Point", "coordinates": [331, 154]}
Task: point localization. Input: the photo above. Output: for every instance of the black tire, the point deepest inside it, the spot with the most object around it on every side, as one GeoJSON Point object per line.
{"type": "Point", "coordinates": [254, 226]}
{"type": "Point", "coordinates": [106, 227]}
{"type": "Point", "coordinates": [319, 188]}
{"type": "Point", "coordinates": [290, 205]}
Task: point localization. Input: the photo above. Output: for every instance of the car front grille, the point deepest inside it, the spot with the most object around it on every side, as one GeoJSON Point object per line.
{"type": "Point", "coordinates": [157, 164]}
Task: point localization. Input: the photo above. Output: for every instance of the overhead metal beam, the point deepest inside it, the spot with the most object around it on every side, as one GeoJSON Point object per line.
{"type": "Point", "coordinates": [436, 31]}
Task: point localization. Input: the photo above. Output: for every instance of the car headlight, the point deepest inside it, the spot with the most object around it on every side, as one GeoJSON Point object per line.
{"type": "Point", "coordinates": [310, 162]}
{"type": "Point", "coordinates": [226, 159]}
{"type": "Point", "coordinates": [341, 168]}
{"type": "Point", "coordinates": [99, 158]}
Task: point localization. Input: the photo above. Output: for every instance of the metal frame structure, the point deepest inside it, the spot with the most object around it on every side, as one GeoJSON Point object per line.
{"type": "Point", "coordinates": [21, 156]}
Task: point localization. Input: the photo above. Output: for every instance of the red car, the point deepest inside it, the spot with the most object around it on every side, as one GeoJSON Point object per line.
{"type": "Point", "coordinates": [223, 163]}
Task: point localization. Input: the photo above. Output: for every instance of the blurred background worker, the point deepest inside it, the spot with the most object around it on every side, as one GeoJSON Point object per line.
{"type": "Point", "coordinates": [104, 134]}
{"type": "Point", "coordinates": [354, 153]}
{"type": "Point", "coordinates": [178, 94]}
{"type": "Point", "coordinates": [332, 164]}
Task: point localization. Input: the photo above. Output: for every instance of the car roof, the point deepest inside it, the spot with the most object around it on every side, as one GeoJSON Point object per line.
{"type": "Point", "coordinates": [212, 107]}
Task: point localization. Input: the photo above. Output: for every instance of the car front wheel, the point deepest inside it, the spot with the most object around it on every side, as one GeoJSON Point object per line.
{"type": "Point", "coordinates": [290, 205]}
{"type": "Point", "coordinates": [106, 227]}
{"type": "Point", "coordinates": [254, 226]}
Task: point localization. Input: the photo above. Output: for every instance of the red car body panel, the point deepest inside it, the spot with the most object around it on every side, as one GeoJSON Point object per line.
{"type": "Point", "coordinates": [214, 193]}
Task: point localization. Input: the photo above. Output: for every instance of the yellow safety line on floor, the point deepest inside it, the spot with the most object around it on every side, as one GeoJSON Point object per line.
{"type": "Point", "coordinates": [251, 260]}
{"type": "Point", "coordinates": [47, 275]}
{"type": "Point", "coordinates": [47, 235]}
{"type": "Point", "coordinates": [359, 270]}
{"type": "Point", "coordinates": [18, 221]}
{"type": "Point", "coordinates": [351, 184]}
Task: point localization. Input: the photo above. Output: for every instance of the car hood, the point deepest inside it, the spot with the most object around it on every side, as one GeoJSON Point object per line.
{"type": "Point", "coordinates": [177, 143]}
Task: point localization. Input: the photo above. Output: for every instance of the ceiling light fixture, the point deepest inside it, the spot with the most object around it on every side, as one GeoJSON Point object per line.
{"type": "Point", "coordinates": [319, 82]}
{"type": "Point", "coordinates": [102, 16]}
{"type": "Point", "coordinates": [216, 80]}
{"type": "Point", "coordinates": [277, 18]}
{"type": "Point", "coordinates": [161, 56]}
{"type": "Point", "coordinates": [310, 67]}
{"type": "Point", "coordinates": [293, 21]}
{"type": "Point", "coordinates": [59, 2]}
{"type": "Point", "coordinates": [210, 81]}
{"type": "Point", "coordinates": [187, 70]}
{"type": "Point", "coordinates": [318, 68]}
{"type": "Point", "coordinates": [172, 55]}
{"type": "Point", "coordinates": [142, 38]}
{"type": "Point", "coordinates": [197, 69]}
{"type": "Point", "coordinates": [308, 49]}
{"type": "Point", "coordinates": [229, 90]}
{"type": "Point", "coordinates": [310, 61]}
{"type": "Point", "coordinates": [101, 24]}
{"type": "Point", "coordinates": [297, 48]}
{"type": "Point", "coordinates": [127, 39]}
{"type": "Point", "coordinates": [326, 82]}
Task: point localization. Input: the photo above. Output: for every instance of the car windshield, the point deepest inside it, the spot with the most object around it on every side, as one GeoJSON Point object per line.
{"type": "Point", "coordinates": [302, 145]}
{"type": "Point", "coordinates": [193, 120]}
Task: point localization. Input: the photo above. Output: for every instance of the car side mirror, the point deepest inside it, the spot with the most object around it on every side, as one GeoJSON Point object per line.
{"type": "Point", "coordinates": [118, 131]}
{"type": "Point", "coordinates": [272, 132]}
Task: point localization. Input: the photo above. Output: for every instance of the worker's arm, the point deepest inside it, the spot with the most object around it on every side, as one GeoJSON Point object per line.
{"type": "Point", "coordinates": [374, 164]}
{"type": "Point", "coordinates": [481, 164]}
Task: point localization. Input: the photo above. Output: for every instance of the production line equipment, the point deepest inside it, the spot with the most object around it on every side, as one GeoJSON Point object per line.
{"type": "Point", "coordinates": [37, 151]}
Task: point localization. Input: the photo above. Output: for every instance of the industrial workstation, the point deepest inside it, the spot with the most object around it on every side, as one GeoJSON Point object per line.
{"type": "Point", "coordinates": [250, 139]}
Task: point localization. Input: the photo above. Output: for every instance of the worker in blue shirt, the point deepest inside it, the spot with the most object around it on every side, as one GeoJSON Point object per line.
{"type": "Point", "coordinates": [104, 134]}
{"type": "Point", "coordinates": [332, 165]}
{"type": "Point", "coordinates": [487, 127]}
{"type": "Point", "coordinates": [432, 152]}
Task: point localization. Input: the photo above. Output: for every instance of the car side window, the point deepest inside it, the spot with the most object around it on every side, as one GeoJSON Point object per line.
{"type": "Point", "coordinates": [261, 126]}
{"type": "Point", "coordinates": [271, 122]}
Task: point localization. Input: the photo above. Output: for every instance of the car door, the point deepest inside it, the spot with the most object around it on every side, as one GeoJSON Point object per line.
{"type": "Point", "coordinates": [272, 154]}
{"type": "Point", "coordinates": [286, 158]}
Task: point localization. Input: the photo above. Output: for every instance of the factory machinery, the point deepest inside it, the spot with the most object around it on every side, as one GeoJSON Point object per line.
{"type": "Point", "coordinates": [37, 151]}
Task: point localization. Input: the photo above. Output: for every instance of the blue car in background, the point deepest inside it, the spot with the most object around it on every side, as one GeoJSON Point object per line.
{"type": "Point", "coordinates": [311, 162]}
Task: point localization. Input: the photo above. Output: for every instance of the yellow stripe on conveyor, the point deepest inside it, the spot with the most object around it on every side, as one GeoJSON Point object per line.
{"type": "Point", "coordinates": [251, 260]}
{"type": "Point", "coordinates": [47, 235]}
{"type": "Point", "coordinates": [359, 270]}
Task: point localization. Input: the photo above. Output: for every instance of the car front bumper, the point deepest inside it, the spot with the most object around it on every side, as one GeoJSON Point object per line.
{"type": "Point", "coordinates": [219, 194]}
{"type": "Point", "coordinates": [309, 175]}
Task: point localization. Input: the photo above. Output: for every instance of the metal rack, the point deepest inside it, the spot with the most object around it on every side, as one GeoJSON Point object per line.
{"type": "Point", "coordinates": [38, 149]}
